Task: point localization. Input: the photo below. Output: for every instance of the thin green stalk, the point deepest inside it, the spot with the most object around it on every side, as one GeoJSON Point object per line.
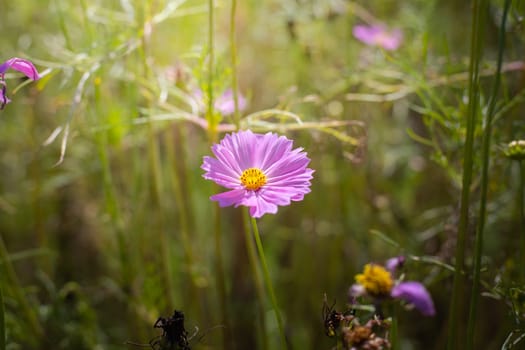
{"type": "Point", "coordinates": [252, 256]}
{"type": "Point", "coordinates": [487, 133]}
{"type": "Point", "coordinates": [155, 166]}
{"type": "Point", "coordinates": [237, 116]}
{"type": "Point", "coordinates": [127, 262]}
{"type": "Point", "coordinates": [221, 280]}
{"type": "Point", "coordinates": [212, 136]}
{"type": "Point", "coordinates": [250, 245]}
{"type": "Point", "coordinates": [521, 206]}
{"type": "Point", "coordinates": [210, 115]}
{"type": "Point", "coordinates": [456, 305]}
{"type": "Point", "coordinates": [87, 23]}
{"type": "Point", "coordinates": [394, 329]}
{"type": "Point", "coordinates": [183, 216]}
{"type": "Point", "coordinates": [268, 282]}
{"type": "Point", "coordinates": [111, 202]}
{"type": "Point", "coordinates": [177, 192]}
{"type": "Point", "coordinates": [63, 26]}
{"type": "Point", "coordinates": [2, 321]}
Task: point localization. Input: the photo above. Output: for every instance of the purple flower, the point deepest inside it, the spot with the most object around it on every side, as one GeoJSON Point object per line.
{"type": "Point", "coordinates": [416, 294]}
{"type": "Point", "coordinates": [377, 282]}
{"type": "Point", "coordinates": [261, 171]}
{"type": "Point", "coordinates": [378, 35]}
{"type": "Point", "coordinates": [18, 64]}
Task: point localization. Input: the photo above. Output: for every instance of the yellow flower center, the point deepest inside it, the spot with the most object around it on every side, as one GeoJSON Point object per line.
{"type": "Point", "coordinates": [376, 280]}
{"type": "Point", "coordinates": [253, 179]}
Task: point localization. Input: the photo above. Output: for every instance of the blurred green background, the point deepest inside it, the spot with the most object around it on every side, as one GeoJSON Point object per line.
{"type": "Point", "coordinates": [106, 217]}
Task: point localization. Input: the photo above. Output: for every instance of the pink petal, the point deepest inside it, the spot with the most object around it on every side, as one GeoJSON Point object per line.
{"type": "Point", "coordinates": [21, 65]}
{"type": "Point", "coordinates": [416, 294]}
{"type": "Point", "coordinates": [226, 199]}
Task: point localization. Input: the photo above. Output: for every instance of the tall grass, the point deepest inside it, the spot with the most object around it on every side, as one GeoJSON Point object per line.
{"type": "Point", "coordinates": [485, 156]}
{"type": "Point", "coordinates": [479, 11]}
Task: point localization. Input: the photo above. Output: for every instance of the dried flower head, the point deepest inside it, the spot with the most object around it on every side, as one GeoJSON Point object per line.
{"type": "Point", "coordinates": [371, 336]}
{"type": "Point", "coordinates": [262, 171]}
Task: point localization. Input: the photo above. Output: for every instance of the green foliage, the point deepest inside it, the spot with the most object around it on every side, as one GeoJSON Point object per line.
{"type": "Point", "coordinates": [105, 213]}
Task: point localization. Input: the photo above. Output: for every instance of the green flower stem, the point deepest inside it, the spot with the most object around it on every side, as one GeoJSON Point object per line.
{"type": "Point", "coordinates": [521, 208]}
{"type": "Point", "coordinates": [237, 116]}
{"type": "Point", "coordinates": [2, 321]}
{"type": "Point", "coordinates": [394, 330]}
{"type": "Point", "coordinates": [252, 256]}
{"type": "Point", "coordinates": [456, 305]}
{"type": "Point", "coordinates": [184, 212]}
{"type": "Point", "coordinates": [210, 115]}
{"type": "Point", "coordinates": [268, 282]}
{"type": "Point", "coordinates": [212, 136]}
{"type": "Point", "coordinates": [250, 246]}
{"type": "Point", "coordinates": [221, 279]}
{"type": "Point", "coordinates": [487, 133]}
{"type": "Point", "coordinates": [155, 167]}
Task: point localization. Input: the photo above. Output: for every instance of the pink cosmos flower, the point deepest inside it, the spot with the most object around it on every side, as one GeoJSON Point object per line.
{"type": "Point", "coordinates": [378, 35]}
{"type": "Point", "coordinates": [261, 171]}
{"type": "Point", "coordinates": [18, 64]}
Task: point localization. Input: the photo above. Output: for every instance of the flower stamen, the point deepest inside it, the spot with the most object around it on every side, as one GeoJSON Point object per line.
{"type": "Point", "coordinates": [253, 179]}
{"type": "Point", "coordinates": [376, 280]}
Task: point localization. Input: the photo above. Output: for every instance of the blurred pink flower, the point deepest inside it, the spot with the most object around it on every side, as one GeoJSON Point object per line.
{"type": "Point", "coordinates": [18, 64]}
{"type": "Point", "coordinates": [378, 35]}
{"type": "Point", "coordinates": [224, 104]}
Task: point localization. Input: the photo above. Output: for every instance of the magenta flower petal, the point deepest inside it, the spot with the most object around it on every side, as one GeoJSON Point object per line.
{"type": "Point", "coordinates": [21, 65]}
{"type": "Point", "coordinates": [261, 170]}
{"type": "Point", "coordinates": [416, 294]}
{"type": "Point", "coordinates": [366, 34]}
{"type": "Point", "coordinates": [226, 199]}
{"type": "Point", "coordinates": [225, 103]}
{"type": "Point", "coordinates": [356, 290]}
{"type": "Point", "coordinates": [378, 35]}
{"type": "Point", "coordinates": [395, 263]}
{"type": "Point", "coordinates": [262, 206]}
{"type": "Point", "coordinates": [18, 64]}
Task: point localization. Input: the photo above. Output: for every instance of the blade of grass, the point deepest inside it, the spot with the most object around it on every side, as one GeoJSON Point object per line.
{"type": "Point", "coordinates": [456, 331]}
{"type": "Point", "coordinates": [237, 116]}
{"type": "Point", "coordinates": [2, 321]}
{"type": "Point", "coordinates": [212, 137]}
{"type": "Point", "coordinates": [487, 133]}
